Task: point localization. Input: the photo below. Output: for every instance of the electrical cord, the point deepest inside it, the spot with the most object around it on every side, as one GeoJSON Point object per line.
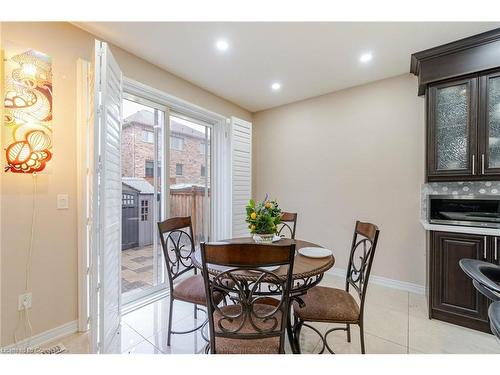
{"type": "Point", "coordinates": [27, 322]}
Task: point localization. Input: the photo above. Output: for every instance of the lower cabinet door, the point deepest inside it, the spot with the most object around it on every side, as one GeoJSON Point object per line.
{"type": "Point", "coordinates": [453, 297]}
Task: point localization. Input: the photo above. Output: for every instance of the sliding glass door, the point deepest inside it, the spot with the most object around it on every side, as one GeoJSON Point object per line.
{"type": "Point", "coordinates": [143, 161]}
{"type": "Point", "coordinates": [165, 173]}
{"type": "Point", "coordinates": [189, 173]}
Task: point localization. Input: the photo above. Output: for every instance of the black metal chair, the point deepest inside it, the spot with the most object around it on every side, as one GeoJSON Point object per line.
{"type": "Point", "coordinates": [486, 279]}
{"type": "Point", "coordinates": [176, 236]}
{"type": "Point", "coordinates": [331, 305]}
{"type": "Point", "coordinates": [287, 225]}
{"type": "Point", "coordinates": [494, 315]}
{"type": "Point", "coordinates": [255, 322]}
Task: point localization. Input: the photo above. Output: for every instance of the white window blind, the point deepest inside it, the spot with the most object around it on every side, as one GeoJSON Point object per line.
{"type": "Point", "coordinates": [241, 172]}
{"type": "Point", "coordinates": [108, 185]}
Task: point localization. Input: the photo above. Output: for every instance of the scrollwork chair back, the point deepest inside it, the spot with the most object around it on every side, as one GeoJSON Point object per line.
{"type": "Point", "coordinates": [259, 325]}
{"type": "Point", "coordinates": [176, 236]}
{"type": "Point", "coordinates": [287, 225]}
{"type": "Point", "coordinates": [364, 243]}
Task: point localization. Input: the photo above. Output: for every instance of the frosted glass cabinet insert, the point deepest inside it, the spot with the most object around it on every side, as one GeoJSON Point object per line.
{"type": "Point", "coordinates": [463, 132]}
{"type": "Point", "coordinates": [490, 124]}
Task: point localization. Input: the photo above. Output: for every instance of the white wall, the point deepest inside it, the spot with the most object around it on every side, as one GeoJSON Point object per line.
{"type": "Point", "coordinates": [353, 154]}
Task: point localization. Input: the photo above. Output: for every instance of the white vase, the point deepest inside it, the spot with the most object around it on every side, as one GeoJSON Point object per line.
{"type": "Point", "coordinates": [263, 238]}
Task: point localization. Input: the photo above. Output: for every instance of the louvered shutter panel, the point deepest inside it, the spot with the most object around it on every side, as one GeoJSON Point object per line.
{"type": "Point", "coordinates": [109, 189]}
{"type": "Point", "coordinates": [241, 172]}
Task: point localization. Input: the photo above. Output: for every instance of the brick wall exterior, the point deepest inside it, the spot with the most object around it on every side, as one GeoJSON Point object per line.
{"type": "Point", "coordinates": [135, 152]}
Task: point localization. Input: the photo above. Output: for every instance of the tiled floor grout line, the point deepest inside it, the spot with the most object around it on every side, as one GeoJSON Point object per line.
{"type": "Point", "coordinates": [133, 329]}
{"type": "Point", "coordinates": [384, 338]}
{"type": "Point", "coordinates": [142, 336]}
{"type": "Point", "coordinates": [155, 346]}
{"type": "Point", "coordinates": [185, 317]}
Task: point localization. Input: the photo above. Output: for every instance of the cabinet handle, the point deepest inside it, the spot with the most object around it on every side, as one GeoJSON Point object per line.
{"type": "Point", "coordinates": [485, 246]}
{"type": "Point", "coordinates": [496, 249]}
{"type": "Point", "coordinates": [482, 163]}
{"type": "Point", "coordinates": [473, 164]}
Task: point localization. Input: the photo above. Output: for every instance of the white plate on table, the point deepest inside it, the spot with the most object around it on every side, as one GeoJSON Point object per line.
{"type": "Point", "coordinates": [268, 269]}
{"type": "Point", "coordinates": [315, 252]}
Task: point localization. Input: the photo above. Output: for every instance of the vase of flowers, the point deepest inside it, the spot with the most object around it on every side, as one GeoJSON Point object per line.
{"type": "Point", "coordinates": [263, 219]}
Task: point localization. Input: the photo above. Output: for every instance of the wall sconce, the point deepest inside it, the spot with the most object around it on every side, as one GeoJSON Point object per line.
{"type": "Point", "coordinates": [27, 110]}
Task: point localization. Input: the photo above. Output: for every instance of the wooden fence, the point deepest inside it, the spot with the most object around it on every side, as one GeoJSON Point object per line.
{"type": "Point", "coordinates": [189, 202]}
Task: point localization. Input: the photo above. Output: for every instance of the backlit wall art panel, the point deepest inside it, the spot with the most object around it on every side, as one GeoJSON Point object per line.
{"type": "Point", "coordinates": [27, 125]}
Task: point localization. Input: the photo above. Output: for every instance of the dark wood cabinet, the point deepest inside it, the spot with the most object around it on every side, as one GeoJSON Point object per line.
{"type": "Point", "coordinates": [452, 128]}
{"type": "Point", "coordinates": [489, 125]}
{"type": "Point", "coordinates": [453, 297]}
{"type": "Point", "coordinates": [463, 129]}
{"type": "Point", "coordinates": [461, 82]}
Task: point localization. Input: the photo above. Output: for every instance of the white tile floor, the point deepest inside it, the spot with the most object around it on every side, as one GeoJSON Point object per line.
{"type": "Point", "coordinates": [395, 323]}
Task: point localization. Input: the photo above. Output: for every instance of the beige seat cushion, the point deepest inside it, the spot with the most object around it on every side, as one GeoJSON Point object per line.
{"type": "Point", "coordinates": [328, 305]}
{"type": "Point", "coordinates": [192, 290]}
{"type": "Point", "coordinates": [268, 345]}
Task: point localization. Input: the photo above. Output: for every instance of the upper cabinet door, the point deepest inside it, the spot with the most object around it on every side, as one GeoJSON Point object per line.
{"type": "Point", "coordinates": [489, 129]}
{"type": "Point", "coordinates": [451, 138]}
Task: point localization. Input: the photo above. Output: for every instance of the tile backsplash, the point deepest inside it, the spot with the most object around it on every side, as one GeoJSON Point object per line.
{"type": "Point", "coordinates": [456, 188]}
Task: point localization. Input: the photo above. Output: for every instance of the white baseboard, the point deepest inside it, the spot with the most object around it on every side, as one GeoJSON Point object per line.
{"type": "Point", "coordinates": [384, 281]}
{"type": "Point", "coordinates": [47, 336]}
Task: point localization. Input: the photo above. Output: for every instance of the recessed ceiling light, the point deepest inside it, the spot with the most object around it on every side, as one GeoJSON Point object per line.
{"type": "Point", "coordinates": [365, 57]}
{"type": "Point", "coordinates": [222, 45]}
{"type": "Point", "coordinates": [276, 86]}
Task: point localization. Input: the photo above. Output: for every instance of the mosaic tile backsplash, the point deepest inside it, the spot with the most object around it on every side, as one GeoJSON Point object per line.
{"type": "Point", "coordinates": [456, 188]}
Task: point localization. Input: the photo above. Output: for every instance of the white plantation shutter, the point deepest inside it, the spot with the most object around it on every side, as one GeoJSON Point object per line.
{"type": "Point", "coordinates": [241, 171]}
{"type": "Point", "coordinates": [108, 186]}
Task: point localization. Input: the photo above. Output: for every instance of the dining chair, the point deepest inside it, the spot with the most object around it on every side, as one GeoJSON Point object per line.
{"type": "Point", "coordinates": [176, 236]}
{"type": "Point", "coordinates": [331, 305]}
{"type": "Point", "coordinates": [287, 225]}
{"type": "Point", "coordinates": [250, 325]}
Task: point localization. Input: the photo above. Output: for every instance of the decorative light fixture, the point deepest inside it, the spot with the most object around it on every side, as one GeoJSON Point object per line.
{"type": "Point", "coordinates": [222, 45]}
{"type": "Point", "coordinates": [27, 121]}
{"type": "Point", "coordinates": [276, 86]}
{"type": "Point", "coordinates": [365, 57]}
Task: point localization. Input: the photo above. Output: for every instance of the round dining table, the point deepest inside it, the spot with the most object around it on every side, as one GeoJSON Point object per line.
{"type": "Point", "coordinates": [307, 272]}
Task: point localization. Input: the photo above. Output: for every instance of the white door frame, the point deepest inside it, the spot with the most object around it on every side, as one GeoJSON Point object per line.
{"type": "Point", "coordinates": [84, 155]}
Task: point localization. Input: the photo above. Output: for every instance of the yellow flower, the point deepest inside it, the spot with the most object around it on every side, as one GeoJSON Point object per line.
{"type": "Point", "coordinates": [252, 227]}
{"type": "Point", "coordinates": [253, 216]}
{"type": "Point", "coordinates": [268, 205]}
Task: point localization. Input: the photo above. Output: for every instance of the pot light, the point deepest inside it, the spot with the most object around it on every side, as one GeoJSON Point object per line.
{"type": "Point", "coordinates": [365, 57]}
{"type": "Point", "coordinates": [222, 45]}
{"type": "Point", "coordinates": [276, 86]}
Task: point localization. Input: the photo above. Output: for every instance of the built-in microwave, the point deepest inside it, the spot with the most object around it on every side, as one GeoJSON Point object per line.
{"type": "Point", "coordinates": [466, 210]}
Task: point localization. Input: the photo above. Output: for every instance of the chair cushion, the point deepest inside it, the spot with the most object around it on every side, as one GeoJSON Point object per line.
{"type": "Point", "coordinates": [324, 304]}
{"type": "Point", "coordinates": [267, 345]}
{"type": "Point", "coordinates": [192, 290]}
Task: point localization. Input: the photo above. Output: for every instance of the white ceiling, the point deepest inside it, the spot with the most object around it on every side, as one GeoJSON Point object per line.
{"type": "Point", "coordinates": [309, 59]}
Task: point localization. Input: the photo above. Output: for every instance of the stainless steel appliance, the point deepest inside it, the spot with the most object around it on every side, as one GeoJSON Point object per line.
{"type": "Point", "coordinates": [466, 210]}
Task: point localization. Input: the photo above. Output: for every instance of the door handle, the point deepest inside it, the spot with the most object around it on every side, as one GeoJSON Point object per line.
{"type": "Point", "coordinates": [473, 164]}
{"type": "Point", "coordinates": [485, 246]}
{"type": "Point", "coordinates": [482, 163]}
